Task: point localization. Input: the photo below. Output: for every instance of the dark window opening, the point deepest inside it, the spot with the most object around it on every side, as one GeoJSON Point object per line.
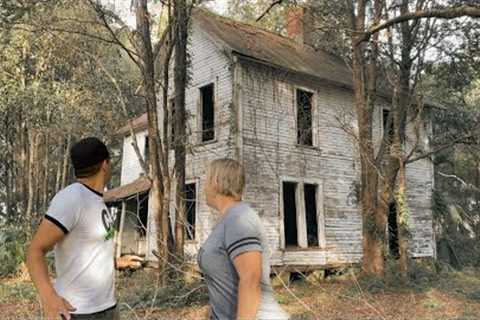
{"type": "Point", "coordinates": [142, 217]}
{"type": "Point", "coordinates": [191, 205]}
{"type": "Point", "coordinates": [172, 123]}
{"type": "Point", "coordinates": [208, 114]}
{"type": "Point", "coordinates": [311, 214]}
{"type": "Point", "coordinates": [290, 214]}
{"type": "Point", "coordinates": [304, 118]}
{"type": "Point", "coordinates": [393, 231]}
{"type": "Point", "coordinates": [146, 153]}
{"type": "Point", "coordinates": [387, 128]}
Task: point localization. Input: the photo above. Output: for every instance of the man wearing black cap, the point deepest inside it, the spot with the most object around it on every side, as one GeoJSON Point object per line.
{"type": "Point", "coordinates": [80, 227]}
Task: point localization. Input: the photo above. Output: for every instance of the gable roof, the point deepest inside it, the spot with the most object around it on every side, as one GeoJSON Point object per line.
{"type": "Point", "coordinates": [273, 49]}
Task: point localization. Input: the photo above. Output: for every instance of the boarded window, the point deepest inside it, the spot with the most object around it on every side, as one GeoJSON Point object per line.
{"type": "Point", "coordinates": [290, 214]}
{"type": "Point", "coordinates": [304, 118]}
{"type": "Point", "coordinates": [208, 114]}
{"type": "Point", "coordinates": [310, 192]}
{"type": "Point", "coordinates": [191, 206]}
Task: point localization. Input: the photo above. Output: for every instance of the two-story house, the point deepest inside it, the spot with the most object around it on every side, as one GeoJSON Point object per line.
{"type": "Point", "coordinates": [286, 112]}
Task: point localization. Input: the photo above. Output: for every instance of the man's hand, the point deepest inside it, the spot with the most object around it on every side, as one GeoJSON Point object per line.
{"type": "Point", "coordinates": [129, 261]}
{"type": "Point", "coordinates": [54, 306]}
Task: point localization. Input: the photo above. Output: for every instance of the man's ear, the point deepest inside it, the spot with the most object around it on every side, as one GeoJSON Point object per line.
{"type": "Point", "coordinates": [105, 164]}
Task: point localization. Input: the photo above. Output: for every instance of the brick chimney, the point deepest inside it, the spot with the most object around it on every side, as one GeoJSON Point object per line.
{"type": "Point", "coordinates": [300, 24]}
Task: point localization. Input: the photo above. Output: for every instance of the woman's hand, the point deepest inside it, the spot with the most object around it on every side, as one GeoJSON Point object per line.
{"type": "Point", "coordinates": [129, 261]}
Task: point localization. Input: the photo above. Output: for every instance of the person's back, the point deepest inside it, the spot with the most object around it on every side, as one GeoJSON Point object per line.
{"type": "Point", "coordinates": [240, 230]}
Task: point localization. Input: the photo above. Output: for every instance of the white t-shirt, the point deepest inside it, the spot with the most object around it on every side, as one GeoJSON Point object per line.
{"type": "Point", "coordinates": [84, 258]}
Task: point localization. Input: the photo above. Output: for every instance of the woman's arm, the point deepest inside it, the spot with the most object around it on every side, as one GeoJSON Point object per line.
{"type": "Point", "coordinates": [249, 269]}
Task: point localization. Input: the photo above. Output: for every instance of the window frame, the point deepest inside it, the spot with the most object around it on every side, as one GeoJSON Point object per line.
{"type": "Point", "coordinates": [301, 213]}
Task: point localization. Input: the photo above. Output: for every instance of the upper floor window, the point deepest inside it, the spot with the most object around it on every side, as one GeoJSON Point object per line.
{"type": "Point", "coordinates": [207, 112]}
{"type": "Point", "coordinates": [304, 117]}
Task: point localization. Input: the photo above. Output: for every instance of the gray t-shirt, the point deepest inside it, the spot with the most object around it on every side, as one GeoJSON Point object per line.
{"type": "Point", "coordinates": [239, 231]}
{"type": "Point", "coordinates": [84, 258]}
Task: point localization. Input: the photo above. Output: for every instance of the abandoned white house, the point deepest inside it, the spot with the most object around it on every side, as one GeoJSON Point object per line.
{"type": "Point", "coordinates": [284, 110]}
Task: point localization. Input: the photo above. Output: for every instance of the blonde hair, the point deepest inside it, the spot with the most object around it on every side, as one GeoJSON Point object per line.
{"type": "Point", "coordinates": [229, 176]}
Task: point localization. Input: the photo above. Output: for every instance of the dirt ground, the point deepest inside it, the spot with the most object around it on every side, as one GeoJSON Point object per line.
{"type": "Point", "coordinates": [446, 296]}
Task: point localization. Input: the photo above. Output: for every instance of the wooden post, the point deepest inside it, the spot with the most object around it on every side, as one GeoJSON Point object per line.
{"type": "Point", "coordinates": [118, 252]}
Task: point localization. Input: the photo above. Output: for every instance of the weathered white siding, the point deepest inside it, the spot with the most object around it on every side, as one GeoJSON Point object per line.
{"type": "Point", "coordinates": [131, 169]}
{"type": "Point", "coordinates": [271, 155]}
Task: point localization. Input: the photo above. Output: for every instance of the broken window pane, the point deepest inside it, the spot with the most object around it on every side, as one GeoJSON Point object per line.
{"type": "Point", "coordinates": [290, 214]}
{"type": "Point", "coordinates": [310, 191]}
{"type": "Point", "coordinates": [304, 118]}
{"type": "Point", "coordinates": [208, 114]}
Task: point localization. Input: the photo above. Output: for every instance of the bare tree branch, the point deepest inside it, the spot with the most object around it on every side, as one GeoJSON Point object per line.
{"type": "Point", "coordinates": [444, 13]}
{"type": "Point", "coordinates": [270, 7]}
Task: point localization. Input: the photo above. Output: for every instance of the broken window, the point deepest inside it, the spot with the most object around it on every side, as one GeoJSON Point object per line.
{"type": "Point", "coordinates": [301, 223]}
{"type": "Point", "coordinates": [290, 214]}
{"type": "Point", "coordinates": [310, 191]}
{"type": "Point", "coordinates": [304, 118]}
{"type": "Point", "coordinates": [191, 206]}
{"type": "Point", "coordinates": [208, 114]}
{"type": "Point", "coordinates": [393, 231]}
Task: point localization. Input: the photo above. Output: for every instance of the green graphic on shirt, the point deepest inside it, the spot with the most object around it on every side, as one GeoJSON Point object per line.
{"type": "Point", "coordinates": [110, 233]}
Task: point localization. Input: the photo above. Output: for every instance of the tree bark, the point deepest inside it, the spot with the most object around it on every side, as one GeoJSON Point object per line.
{"type": "Point", "coordinates": [33, 142]}
{"type": "Point", "coordinates": [65, 162]}
{"type": "Point", "coordinates": [46, 178]}
{"type": "Point", "coordinates": [157, 171]}
{"type": "Point", "coordinates": [180, 82]}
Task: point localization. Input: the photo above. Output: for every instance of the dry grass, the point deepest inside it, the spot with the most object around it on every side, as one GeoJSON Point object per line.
{"type": "Point", "coordinates": [453, 295]}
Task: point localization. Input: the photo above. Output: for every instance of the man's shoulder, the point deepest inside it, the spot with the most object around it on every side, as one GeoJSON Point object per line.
{"type": "Point", "coordinates": [72, 192]}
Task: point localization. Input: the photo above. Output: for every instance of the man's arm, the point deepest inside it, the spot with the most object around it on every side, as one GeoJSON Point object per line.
{"type": "Point", "coordinates": [249, 269]}
{"type": "Point", "coordinates": [47, 235]}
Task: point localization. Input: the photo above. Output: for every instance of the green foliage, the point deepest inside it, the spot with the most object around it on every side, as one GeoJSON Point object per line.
{"type": "Point", "coordinates": [12, 251]}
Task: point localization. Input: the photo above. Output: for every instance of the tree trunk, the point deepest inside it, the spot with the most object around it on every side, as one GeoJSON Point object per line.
{"type": "Point", "coordinates": [65, 162]}
{"type": "Point", "coordinates": [46, 167]}
{"type": "Point", "coordinates": [58, 176]}
{"type": "Point", "coordinates": [180, 13]}
{"type": "Point", "coordinates": [33, 138]}
{"type": "Point", "coordinates": [402, 222]}
{"type": "Point", "coordinates": [364, 85]}
{"type": "Point", "coordinates": [157, 172]}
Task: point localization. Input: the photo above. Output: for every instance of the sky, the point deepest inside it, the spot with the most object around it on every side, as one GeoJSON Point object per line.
{"type": "Point", "coordinates": [122, 8]}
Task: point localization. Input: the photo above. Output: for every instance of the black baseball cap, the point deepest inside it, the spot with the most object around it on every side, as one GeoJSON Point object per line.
{"type": "Point", "coordinates": [88, 152]}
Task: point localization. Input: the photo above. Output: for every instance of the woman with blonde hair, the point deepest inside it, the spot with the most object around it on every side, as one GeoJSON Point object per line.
{"type": "Point", "coordinates": [235, 257]}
